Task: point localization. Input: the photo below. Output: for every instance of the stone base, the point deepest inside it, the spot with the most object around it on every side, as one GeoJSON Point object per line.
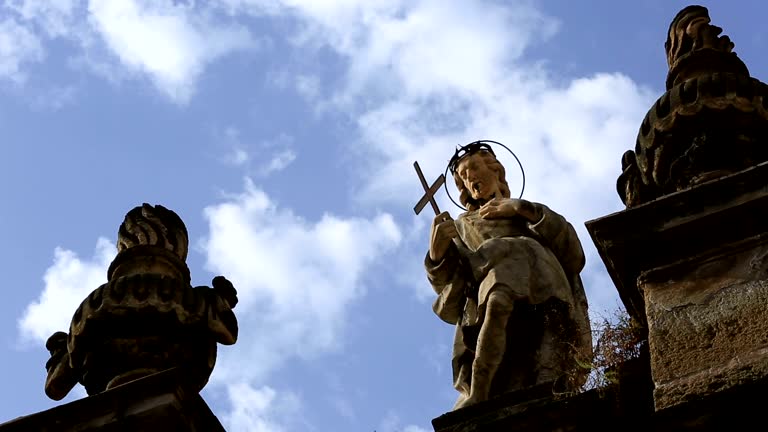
{"type": "Point", "coordinates": [153, 403]}
{"type": "Point", "coordinates": [679, 226]}
{"type": "Point", "coordinates": [739, 408]}
{"type": "Point", "coordinates": [625, 406]}
{"type": "Point", "coordinates": [708, 321]}
{"type": "Point", "coordinates": [692, 267]}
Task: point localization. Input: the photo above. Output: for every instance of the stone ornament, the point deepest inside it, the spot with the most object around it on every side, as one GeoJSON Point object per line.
{"type": "Point", "coordinates": [506, 274]}
{"type": "Point", "coordinates": [147, 317]}
{"type": "Point", "coordinates": [712, 121]}
{"type": "Point", "coordinates": [692, 36]}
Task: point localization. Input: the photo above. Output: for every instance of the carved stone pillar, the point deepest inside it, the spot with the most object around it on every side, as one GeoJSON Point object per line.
{"type": "Point", "coordinates": [147, 318]}
{"type": "Point", "coordinates": [693, 267]}
{"type": "Point", "coordinates": [689, 256]}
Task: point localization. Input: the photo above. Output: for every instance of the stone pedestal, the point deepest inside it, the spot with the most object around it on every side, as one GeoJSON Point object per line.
{"type": "Point", "coordinates": [626, 406]}
{"type": "Point", "coordinates": [693, 267]}
{"type": "Point", "coordinates": [158, 402]}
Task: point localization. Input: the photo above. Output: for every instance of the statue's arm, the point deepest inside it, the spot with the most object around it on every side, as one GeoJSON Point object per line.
{"type": "Point", "coordinates": [218, 304]}
{"type": "Point", "coordinates": [61, 377]}
{"type": "Point", "coordinates": [561, 238]}
{"type": "Point", "coordinates": [448, 281]}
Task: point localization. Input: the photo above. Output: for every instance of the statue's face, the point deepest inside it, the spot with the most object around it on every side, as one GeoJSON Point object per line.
{"type": "Point", "coordinates": [481, 182]}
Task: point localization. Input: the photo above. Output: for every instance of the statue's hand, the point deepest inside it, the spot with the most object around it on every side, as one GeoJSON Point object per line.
{"type": "Point", "coordinates": [498, 208]}
{"type": "Point", "coordinates": [225, 290]}
{"type": "Point", "coordinates": [61, 378]}
{"type": "Point", "coordinates": [442, 232]}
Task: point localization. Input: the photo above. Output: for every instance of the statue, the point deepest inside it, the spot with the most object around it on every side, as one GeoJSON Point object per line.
{"type": "Point", "coordinates": [147, 318]}
{"type": "Point", "coordinates": [506, 273]}
{"type": "Point", "coordinates": [711, 122]}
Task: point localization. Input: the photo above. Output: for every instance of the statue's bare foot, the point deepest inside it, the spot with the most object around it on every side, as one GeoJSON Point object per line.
{"type": "Point", "coordinates": [471, 400]}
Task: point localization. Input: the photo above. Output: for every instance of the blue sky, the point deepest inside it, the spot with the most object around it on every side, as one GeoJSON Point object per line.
{"type": "Point", "coordinates": [283, 133]}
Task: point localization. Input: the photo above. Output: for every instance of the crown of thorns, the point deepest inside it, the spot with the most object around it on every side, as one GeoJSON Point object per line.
{"type": "Point", "coordinates": [474, 147]}
{"type": "Point", "coordinates": [466, 150]}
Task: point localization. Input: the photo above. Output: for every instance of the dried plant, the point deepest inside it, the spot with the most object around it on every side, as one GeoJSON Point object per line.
{"type": "Point", "coordinates": [617, 338]}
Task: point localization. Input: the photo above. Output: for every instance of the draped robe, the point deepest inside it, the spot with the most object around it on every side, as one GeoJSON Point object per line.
{"type": "Point", "coordinates": [536, 263]}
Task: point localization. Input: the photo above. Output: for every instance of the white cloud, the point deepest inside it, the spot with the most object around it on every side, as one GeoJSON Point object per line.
{"type": "Point", "coordinates": [237, 156]}
{"type": "Point", "coordinates": [54, 16]}
{"type": "Point", "coordinates": [280, 150]}
{"type": "Point", "coordinates": [421, 78]}
{"type": "Point", "coordinates": [279, 161]}
{"type": "Point", "coordinates": [308, 86]}
{"type": "Point", "coordinates": [18, 45]}
{"type": "Point", "coordinates": [282, 154]}
{"type": "Point", "coordinates": [172, 43]}
{"type": "Point", "coordinates": [412, 47]}
{"type": "Point", "coordinates": [295, 278]}
{"type": "Point", "coordinates": [67, 283]}
{"type": "Point", "coordinates": [260, 410]}
{"type": "Point", "coordinates": [169, 42]}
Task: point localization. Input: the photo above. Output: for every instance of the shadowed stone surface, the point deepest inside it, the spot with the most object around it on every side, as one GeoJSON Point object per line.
{"type": "Point", "coordinates": [712, 120]}
{"type": "Point", "coordinates": [158, 402]}
{"type": "Point", "coordinates": [147, 317]}
{"type": "Point", "coordinates": [143, 344]}
{"type": "Point", "coordinates": [679, 226]}
{"type": "Point", "coordinates": [689, 256]}
{"type": "Point", "coordinates": [624, 406]}
{"type": "Point", "coordinates": [693, 266]}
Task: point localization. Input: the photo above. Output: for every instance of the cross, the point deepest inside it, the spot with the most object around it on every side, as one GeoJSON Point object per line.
{"type": "Point", "coordinates": [429, 191]}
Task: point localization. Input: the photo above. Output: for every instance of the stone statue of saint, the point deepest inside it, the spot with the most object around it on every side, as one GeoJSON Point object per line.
{"type": "Point", "coordinates": [506, 273]}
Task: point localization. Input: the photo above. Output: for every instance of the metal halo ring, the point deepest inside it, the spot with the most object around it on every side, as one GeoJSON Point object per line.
{"type": "Point", "coordinates": [522, 171]}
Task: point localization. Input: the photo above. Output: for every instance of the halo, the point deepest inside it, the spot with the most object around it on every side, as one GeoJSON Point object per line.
{"type": "Point", "coordinates": [480, 144]}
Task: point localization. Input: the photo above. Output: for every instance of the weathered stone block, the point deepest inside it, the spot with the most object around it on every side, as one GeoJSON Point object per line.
{"type": "Point", "coordinates": [708, 322]}
{"type": "Point", "coordinates": [691, 267]}
{"type": "Point", "coordinates": [158, 402]}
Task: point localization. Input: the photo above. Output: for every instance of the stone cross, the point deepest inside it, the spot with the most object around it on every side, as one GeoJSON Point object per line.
{"type": "Point", "coordinates": [429, 191]}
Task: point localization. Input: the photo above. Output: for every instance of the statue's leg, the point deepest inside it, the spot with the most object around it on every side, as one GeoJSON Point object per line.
{"type": "Point", "coordinates": [549, 357]}
{"type": "Point", "coordinates": [460, 401]}
{"type": "Point", "coordinates": [555, 356]}
{"type": "Point", "coordinates": [491, 344]}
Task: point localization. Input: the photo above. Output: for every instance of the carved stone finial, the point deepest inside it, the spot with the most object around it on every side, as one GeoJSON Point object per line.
{"type": "Point", "coordinates": [694, 46]}
{"type": "Point", "coordinates": [155, 226]}
{"type": "Point", "coordinates": [712, 121]}
{"type": "Point", "coordinates": [151, 239]}
{"type": "Point", "coordinates": [147, 317]}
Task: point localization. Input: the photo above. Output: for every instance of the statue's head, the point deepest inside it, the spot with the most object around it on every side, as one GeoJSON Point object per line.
{"type": "Point", "coordinates": [478, 175]}
{"type": "Point", "coordinates": [691, 30]}
{"type": "Point", "coordinates": [153, 226]}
